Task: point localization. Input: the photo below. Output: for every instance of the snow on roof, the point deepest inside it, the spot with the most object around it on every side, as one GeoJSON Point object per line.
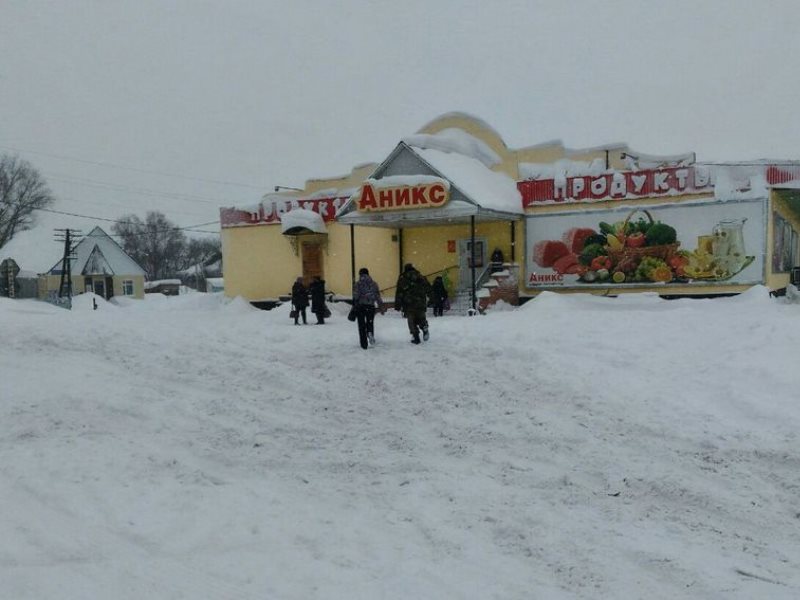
{"type": "Point", "coordinates": [488, 189]}
{"type": "Point", "coordinates": [302, 218]}
{"type": "Point", "coordinates": [392, 181]}
{"type": "Point", "coordinates": [455, 140]}
{"type": "Point", "coordinates": [149, 285]}
{"type": "Point", "coordinates": [98, 252]}
{"type": "Point", "coordinates": [739, 182]}
{"type": "Point", "coordinates": [561, 168]}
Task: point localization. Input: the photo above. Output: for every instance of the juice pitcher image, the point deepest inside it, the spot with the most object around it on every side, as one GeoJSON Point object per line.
{"type": "Point", "coordinates": [728, 244]}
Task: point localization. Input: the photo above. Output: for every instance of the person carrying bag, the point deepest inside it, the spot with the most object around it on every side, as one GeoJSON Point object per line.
{"type": "Point", "coordinates": [366, 296]}
{"type": "Point", "coordinates": [299, 301]}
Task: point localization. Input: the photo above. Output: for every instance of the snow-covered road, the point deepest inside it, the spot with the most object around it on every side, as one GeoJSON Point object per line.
{"type": "Point", "coordinates": [577, 447]}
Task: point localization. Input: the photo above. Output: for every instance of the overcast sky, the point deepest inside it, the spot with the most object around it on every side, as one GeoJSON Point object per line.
{"type": "Point", "coordinates": [184, 106]}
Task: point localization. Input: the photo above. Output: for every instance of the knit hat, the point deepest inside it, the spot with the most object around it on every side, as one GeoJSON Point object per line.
{"type": "Point", "coordinates": [363, 271]}
{"type": "Point", "coordinates": [408, 267]}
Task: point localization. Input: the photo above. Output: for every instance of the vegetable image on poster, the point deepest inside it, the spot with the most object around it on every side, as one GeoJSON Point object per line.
{"type": "Point", "coordinates": [689, 244]}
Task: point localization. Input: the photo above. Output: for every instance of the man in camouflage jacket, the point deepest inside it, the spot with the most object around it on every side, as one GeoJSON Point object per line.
{"type": "Point", "coordinates": [412, 299]}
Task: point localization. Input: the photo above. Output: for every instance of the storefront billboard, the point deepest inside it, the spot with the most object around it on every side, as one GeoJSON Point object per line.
{"type": "Point", "coordinates": [717, 243]}
{"type": "Point", "coordinates": [620, 185]}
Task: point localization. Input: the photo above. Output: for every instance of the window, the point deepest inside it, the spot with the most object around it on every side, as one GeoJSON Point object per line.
{"type": "Point", "coordinates": [127, 287]}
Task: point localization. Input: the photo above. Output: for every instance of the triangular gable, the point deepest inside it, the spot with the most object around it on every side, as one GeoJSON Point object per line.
{"type": "Point", "coordinates": [97, 264]}
{"type": "Point", "coordinates": [410, 161]}
{"type": "Point", "coordinates": [114, 256]}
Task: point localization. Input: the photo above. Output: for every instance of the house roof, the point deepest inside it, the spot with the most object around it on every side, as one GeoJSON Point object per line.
{"type": "Point", "coordinates": [476, 190]}
{"type": "Point", "coordinates": [98, 254]}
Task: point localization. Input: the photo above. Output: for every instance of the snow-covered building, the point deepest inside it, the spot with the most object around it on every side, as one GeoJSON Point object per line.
{"type": "Point", "coordinates": [454, 194]}
{"type": "Point", "coordinates": [167, 287]}
{"type": "Point", "coordinates": [99, 265]}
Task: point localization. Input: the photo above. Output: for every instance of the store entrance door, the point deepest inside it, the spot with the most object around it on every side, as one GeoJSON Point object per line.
{"type": "Point", "coordinates": [100, 287]}
{"type": "Point", "coordinates": [465, 260]}
{"type": "Point", "coordinates": [312, 262]}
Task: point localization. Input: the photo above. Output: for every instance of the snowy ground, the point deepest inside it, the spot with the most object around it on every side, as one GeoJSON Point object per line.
{"type": "Point", "coordinates": [577, 447]}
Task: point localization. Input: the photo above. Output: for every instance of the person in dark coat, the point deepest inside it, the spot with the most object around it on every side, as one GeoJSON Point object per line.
{"type": "Point", "coordinates": [438, 296]}
{"type": "Point", "coordinates": [366, 296]}
{"type": "Point", "coordinates": [299, 300]}
{"type": "Point", "coordinates": [497, 260]}
{"type": "Point", "coordinates": [411, 298]}
{"type": "Point", "coordinates": [318, 307]}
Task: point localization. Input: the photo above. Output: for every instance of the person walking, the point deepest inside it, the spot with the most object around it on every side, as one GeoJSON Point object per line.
{"type": "Point", "coordinates": [411, 298]}
{"type": "Point", "coordinates": [438, 296]}
{"type": "Point", "coordinates": [318, 307]}
{"type": "Point", "coordinates": [366, 296]}
{"type": "Point", "coordinates": [299, 301]}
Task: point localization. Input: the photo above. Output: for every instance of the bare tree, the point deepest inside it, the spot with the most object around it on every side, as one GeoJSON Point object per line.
{"type": "Point", "coordinates": [203, 251]}
{"type": "Point", "coordinates": [155, 243]}
{"type": "Point", "coordinates": [22, 191]}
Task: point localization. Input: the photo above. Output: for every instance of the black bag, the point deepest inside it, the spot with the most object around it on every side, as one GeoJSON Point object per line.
{"type": "Point", "coordinates": [351, 316]}
{"type": "Point", "coordinates": [327, 312]}
{"type": "Point", "coordinates": [293, 313]}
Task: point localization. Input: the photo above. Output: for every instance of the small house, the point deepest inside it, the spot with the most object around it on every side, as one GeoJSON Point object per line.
{"type": "Point", "coordinates": [98, 265]}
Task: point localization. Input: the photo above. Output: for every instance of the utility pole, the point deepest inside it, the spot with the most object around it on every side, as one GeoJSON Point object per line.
{"type": "Point", "coordinates": [69, 237]}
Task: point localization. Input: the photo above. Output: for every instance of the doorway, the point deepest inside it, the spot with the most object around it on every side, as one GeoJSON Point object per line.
{"type": "Point", "coordinates": [100, 287]}
{"type": "Point", "coordinates": [465, 259]}
{"type": "Point", "coordinates": [312, 262]}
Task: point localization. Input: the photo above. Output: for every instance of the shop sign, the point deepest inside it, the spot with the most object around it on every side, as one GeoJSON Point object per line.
{"type": "Point", "coordinates": [709, 243]}
{"type": "Point", "coordinates": [620, 185]}
{"type": "Point", "coordinates": [270, 211]}
{"type": "Point", "coordinates": [375, 198]}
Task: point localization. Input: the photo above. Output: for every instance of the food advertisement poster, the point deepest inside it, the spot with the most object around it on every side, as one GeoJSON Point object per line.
{"type": "Point", "coordinates": [688, 244]}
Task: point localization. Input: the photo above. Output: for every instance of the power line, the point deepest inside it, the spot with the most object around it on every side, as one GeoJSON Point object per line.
{"type": "Point", "coordinates": [127, 188]}
{"type": "Point", "coordinates": [190, 228]}
{"type": "Point", "coordinates": [127, 208]}
{"type": "Point", "coordinates": [116, 166]}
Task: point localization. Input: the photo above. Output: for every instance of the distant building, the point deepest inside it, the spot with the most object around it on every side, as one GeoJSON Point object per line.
{"type": "Point", "coordinates": [100, 266]}
{"type": "Point", "coordinates": [197, 276]}
{"type": "Point", "coordinates": [168, 287]}
{"type": "Point", "coordinates": [215, 284]}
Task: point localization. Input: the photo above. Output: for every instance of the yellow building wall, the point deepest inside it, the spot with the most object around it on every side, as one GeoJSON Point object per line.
{"type": "Point", "coordinates": [261, 263]}
{"type": "Point", "coordinates": [51, 283]}
{"type": "Point", "coordinates": [374, 249]}
{"type": "Point", "coordinates": [138, 286]}
{"type": "Point", "coordinates": [426, 247]}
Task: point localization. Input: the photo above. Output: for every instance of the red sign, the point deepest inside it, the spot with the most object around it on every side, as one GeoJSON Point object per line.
{"type": "Point", "coordinates": [777, 175]}
{"type": "Point", "coordinates": [402, 197]}
{"type": "Point", "coordinates": [269, 211]}
{"type": "Point", "coordinates": [451, 245]}
{"type": "Point", "coordinates": [622, 185]}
